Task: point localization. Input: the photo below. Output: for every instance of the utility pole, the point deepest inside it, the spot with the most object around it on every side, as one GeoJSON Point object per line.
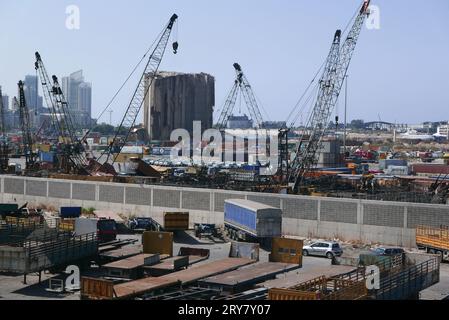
{"type": "Point", "coordinates": [346, 106]}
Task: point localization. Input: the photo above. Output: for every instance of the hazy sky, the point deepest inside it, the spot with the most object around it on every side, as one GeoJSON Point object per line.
{"type": "Point", "coordinates": [399, 72]}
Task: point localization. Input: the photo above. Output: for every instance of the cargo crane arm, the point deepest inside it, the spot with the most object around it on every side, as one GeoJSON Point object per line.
{"type": "Point", "coordinates": [76, 150]}
{"type": "Point", "coordinates": [27, 139]}
{"type": "Point", "coordinates": [62, 117]}
{"type": "Point", "coordinates": [47, 89]}
{"type": "Point", "coordinates": [241, 84]}
{"type": "Point", "coordinates": [330, 85]}
{"type": "Point", "coordinates": [141, 92]}
{"type": "Point", "coordinates": [228, 106]}
{"type": "Point", "coordinates": [4, 142]}
{"type": "Point", "coordinates": [248, 95]}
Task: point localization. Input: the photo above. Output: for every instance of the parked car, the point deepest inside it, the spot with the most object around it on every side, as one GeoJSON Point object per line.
{"type": "Point", "coordinates": [328, 249]}
{"type": "Point", "coordinates": [384, 251]}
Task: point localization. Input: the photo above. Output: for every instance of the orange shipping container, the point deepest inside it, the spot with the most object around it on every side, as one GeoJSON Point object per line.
{"type": "Point", "coordinates": [176, 221]}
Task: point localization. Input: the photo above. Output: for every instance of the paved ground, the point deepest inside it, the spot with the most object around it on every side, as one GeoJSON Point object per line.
{"type": "Point", "coordinates": [439, 291]}
{"type": "Point", "coordinates": [12, 287]}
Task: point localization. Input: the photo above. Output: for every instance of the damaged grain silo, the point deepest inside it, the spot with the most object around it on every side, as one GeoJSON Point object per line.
{"type": "Point", "coordinates": [175, 100]}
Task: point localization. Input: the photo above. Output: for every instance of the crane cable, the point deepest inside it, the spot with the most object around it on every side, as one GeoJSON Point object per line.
{"type": "Point", "coordinates": [316, 74]}
{"type": "Point", "coordinates": [303, 95]}
{"type": "Point", "coordinates": [125, 82]}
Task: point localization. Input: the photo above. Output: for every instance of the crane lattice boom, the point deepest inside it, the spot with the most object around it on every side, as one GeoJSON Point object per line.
{"type": "Point", "coordinates": [241, 84]}
{"type": "Point", "coordinates": [330, 85]}
{"type": "Point", "coordinates": [145, 82]}
{"type": "Point", "coordinates": [62, 118]}
{"type": "Point", "coordinates": [27, 139]}
{"type": "Point", "coordinates": [3, 143]}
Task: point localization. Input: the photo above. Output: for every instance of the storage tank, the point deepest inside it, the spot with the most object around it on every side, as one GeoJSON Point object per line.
{"type": "Point", "coordinates": [249, 220]}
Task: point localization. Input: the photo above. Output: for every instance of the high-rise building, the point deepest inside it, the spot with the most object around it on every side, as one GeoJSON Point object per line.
{"type": "Point", "coordinates": [79, 97]}
{"type": "Point", "coordinates": [34, 101]}
{"type": "Point", "coordinates": [176, 100]}
{"type": "Point", "coordinates": [85, 102]}
{"type": "Point", "coordinates": [5, 100]}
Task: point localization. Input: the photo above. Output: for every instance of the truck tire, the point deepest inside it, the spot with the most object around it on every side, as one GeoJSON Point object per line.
{"type": "Point", "coordinates": [441, 254]}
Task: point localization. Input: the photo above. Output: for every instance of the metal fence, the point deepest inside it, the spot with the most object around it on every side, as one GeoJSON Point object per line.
{"type": "Point", "coordinates": [408, 282]}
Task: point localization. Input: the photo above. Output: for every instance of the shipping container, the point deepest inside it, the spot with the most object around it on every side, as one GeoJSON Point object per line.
{"type": "Point", "coordinates": [176, 221]}
{"type": "Point", "coordinates": [248, 220]}
{"type": "Point", "coordinates": [7, 208]}
{"type": "Point", "coordinates": [426, 168]}
{"type": "Point", "coordinates": [384, 164]}
{"type": "Point", "coordinates": [70, 212]}
{"type": "Point", "coordinates": [397, 170]}
{"type": "Point", "coordinates": [46, 156]}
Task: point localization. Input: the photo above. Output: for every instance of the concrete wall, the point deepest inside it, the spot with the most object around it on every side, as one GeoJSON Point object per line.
{"type": "Point", "coordinates": [389, 223]}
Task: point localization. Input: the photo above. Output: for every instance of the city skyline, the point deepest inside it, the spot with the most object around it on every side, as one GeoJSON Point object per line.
{"type": "Point", "coordinates": [79, 97]}
{"type": "Point", "coordinates": [388, 78]}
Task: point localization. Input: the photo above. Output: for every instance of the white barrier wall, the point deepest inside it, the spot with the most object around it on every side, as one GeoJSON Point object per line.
{"type": "Point", "coordinates": [390, 223]}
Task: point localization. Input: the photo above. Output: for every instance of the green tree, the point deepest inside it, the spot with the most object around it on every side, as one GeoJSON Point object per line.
{"type": "Point", "coordinates": [357, 124]}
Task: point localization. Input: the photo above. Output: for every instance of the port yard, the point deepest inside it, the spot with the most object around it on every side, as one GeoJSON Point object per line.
{"type": "Point", "coordinates": [251, 280]}
{"type": "Point", "coordinates": [302, 209]}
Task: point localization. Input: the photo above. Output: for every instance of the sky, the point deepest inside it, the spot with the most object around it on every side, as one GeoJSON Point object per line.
{"type": "Point", "coordinates": [399, 72]}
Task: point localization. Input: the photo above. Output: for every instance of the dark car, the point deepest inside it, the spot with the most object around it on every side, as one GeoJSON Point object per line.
{"type": "Point", "coordinates": [388, 251]}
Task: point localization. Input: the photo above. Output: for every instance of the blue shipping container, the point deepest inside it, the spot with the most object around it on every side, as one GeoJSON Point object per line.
{"type": "Point", "coordinates": [70, 212]}
{"type": "Point", "coordinates": [46, 156]}
{"type": "Point", "coordinates": [240, 216]}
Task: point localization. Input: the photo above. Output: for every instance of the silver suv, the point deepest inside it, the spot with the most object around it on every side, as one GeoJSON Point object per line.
{"type": "Point", "coordinates": [324, 248]}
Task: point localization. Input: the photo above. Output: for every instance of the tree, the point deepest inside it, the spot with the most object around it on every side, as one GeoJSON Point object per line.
{"type": "Point", "coordinates": [357, 124]}
{"type": "Point", "coordinates": [104, 129]}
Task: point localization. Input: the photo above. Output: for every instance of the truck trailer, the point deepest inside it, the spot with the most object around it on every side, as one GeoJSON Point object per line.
{"type": "Point", "coordinates": [434, 240]}
{"type": "Point", "coordinates": [252, 221]}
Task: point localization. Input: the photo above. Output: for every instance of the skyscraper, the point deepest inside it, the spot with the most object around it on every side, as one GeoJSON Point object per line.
{"type": "Point", "coordinates": [5, 100]}
{"type": "Point", "coordinates": [79, 97]}
{"type": "Point", "coordinates": [34, 101]}
{"type": "Point", "coordinates": [85, 102]}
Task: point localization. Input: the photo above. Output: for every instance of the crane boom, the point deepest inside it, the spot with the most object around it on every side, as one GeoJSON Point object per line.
{"type": "Point", "coordinates": [145, 82]}
{"type": "Point", "coordinates": [228, 106]}
{"type": "Point", "coordinates": [305, 156]}
{"type": "Point", "coordinates": [330, 85]}
{"type": "Point", "coordinates": [61, 116]}
{"type": "Point", "coordinates": [74, 145]}
{"type": "Point", "coordinates": [248, 95]}
{"type": "Point", "coordinates": [241, 84]}
{"type": "Point", "coordinates": [47, 89]}
{"type": "Point", "coordinates": [27, 139]}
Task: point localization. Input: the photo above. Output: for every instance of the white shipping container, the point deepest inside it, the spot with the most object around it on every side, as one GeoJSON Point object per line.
{"type": "Point", "coordinates": [132, 149]}
{"type": "Point", "coordinates": [85, 226]}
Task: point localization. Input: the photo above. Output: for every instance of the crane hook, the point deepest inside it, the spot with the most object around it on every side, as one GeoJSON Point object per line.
{"type": "Point", "coordinates": [175, 47]}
